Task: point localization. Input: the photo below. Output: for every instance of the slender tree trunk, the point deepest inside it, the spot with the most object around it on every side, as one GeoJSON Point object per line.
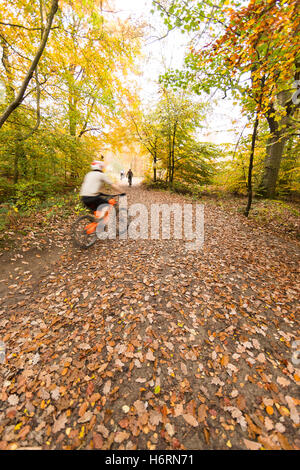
{"type": "Point", "coordinates": [72, 116]}
{"type": "Point", "coordinates": [250, 191]}
{"type": "Point", "coordinates": [154, 166]}
{"type": "Point", "coordinates": [169, 159]}
{"type": "Point", "coordinates": [20, 95]}
{"type": "Point", "coordinates": [173, 151]}
{"type": "Point", "coordinates": [9, 87]}
{"type": "Point", "coordinates": [72, 102]}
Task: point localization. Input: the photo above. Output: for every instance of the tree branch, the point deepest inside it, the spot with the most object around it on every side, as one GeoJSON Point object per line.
{"type": "Point", "coordinates": [12, 25]}
{"type": "Point", "coordinates": [88, 130]}
{"type": "Point", "coordinates": [20, 96]}
{"type": "Point", "coordinates": [38, 110]}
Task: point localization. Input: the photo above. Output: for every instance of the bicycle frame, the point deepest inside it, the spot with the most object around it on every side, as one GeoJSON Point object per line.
{"type": "Point", "coordinates": [102, 215]}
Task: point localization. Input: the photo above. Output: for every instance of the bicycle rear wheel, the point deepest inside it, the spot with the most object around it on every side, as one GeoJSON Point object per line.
{"type": "Point", "coordinates": [83, 231]}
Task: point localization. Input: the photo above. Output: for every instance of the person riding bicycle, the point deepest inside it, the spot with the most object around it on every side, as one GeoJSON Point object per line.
{"type": "Point", "coordinates": [90, 193]}
{"type": "Point", "coordinates": [129, 176]}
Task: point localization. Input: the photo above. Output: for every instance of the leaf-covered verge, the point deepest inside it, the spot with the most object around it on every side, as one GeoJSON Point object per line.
{"type": "Point", "coordinates": [145, 345]}
{"type": "Point", "coordinates": [32, 221]}
{"type": "Point", "coordinates": [279, 215]}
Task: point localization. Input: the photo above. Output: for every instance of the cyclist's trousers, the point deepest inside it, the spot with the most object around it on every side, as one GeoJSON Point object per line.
{"type": "Point", "coordinates": [93, 202]}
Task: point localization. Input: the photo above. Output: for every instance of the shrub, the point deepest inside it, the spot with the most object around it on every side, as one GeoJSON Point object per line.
{"type": "Point", "coordinates": [29, 194]}
{"type": "Point", "coordinates": [7, 189]}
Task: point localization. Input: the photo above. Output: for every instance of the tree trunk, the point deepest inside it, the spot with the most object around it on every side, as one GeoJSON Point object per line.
{"type": "Point", "coordinates": [275, 145]}
{"type": "Point", "coordinates": [9, 87]}
{"type": "Point", "coordinates": [275, 148]}
{"type": "Point", "coordinates": [72, 116]}
{"type": "Point", "coordinates": [72, 101]}
{"type": "Point", "coordinates": [154, 167]}
{"type": "Point", "coordinates": [250, 192]}
{"type": "Point", "coordinates": [173, 151]}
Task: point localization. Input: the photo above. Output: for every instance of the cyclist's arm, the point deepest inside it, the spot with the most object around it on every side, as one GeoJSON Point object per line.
{"type": "Point", "coordinates": [116, 188]}
{"type": "Point", "coordinates": [107, 180]}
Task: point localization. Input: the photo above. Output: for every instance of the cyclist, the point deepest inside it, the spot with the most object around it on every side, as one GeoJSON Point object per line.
{"type": "Point", "coordinates": [129, 176]}
{"type": "Point", "coordinates": [90, 191]}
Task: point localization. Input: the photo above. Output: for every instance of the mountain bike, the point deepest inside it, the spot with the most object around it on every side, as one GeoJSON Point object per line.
{"type": "Point", "coordinates": [88, 228]}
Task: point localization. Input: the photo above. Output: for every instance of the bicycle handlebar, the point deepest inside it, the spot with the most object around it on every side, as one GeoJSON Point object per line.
{"type": "Point", "coordinates": [113, 195]}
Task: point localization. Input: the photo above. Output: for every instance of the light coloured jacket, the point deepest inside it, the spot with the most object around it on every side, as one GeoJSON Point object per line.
{"type": "Point", "coordinates": [93, 182]}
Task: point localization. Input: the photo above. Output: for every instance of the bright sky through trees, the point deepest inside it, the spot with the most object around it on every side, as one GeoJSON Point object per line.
{"type": "Point", "coordinates": [168, 52]}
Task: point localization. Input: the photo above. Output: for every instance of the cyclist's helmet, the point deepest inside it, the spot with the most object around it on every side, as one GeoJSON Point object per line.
{"type": "Point", "coordinates": [97, 165]}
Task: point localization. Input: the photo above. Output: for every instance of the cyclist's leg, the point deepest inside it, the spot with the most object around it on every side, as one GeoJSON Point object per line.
{"type": "Point", "coordinates": [94, 202]}
{"type": "Point", "coordinates": [89, 202]}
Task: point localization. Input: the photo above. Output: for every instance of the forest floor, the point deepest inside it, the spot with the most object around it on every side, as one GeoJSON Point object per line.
{"type": "Point", "coordinates": [143, 344]}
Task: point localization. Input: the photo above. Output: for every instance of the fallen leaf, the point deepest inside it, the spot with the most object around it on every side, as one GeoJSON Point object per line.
{"type": "Point", "coordinates": [106, 388]}
{"type": "Point", "coordinates": [98, 441]}
{"type": "Point", "coordinates": [139, 406]}
{"type": "Point", "coordinates": [251, 445]}
{"type": "Point", "coordinates": [120, 436]}
{"type": "Point", "coordinates": [283, 382]}
{"type": "Point", "coordinates": [202, 413]}
{"type": "Point", "coordinates": [150, 356]}
{"type": "Point", "coordinates": [183, 368]}
{"type": "Point", "coordinates": [178, 410]}
{"type": "Point", "coordinates": [60, 423]}
{"type": "Point", "coordinates": [225, 360]}
{"type": "Point", "coordinates": [155, 417]}
{"type": "Point", "coordinates": [83, 408]}
{"type": "Point", "coordinates": [86, 417]}
{"type": "Point", "coordinates": [293, 411]}
{"type": "Point", "coordinates": [190, 420]}
{"type": "Point", "coordinates": [269, 424]}
{"type": "Point", "coordinates": [170, 429]}
{"type": "Point", "coordinates": [261, 358]}
{"type": "Point", "coordinates": [103, 430]}
{"type": "Point", "coordinates": [13, 399]}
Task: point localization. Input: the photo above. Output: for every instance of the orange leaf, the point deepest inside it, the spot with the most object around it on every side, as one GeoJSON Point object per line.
{"type": "Point", "coordinates": [224, 360]}
{"type": "Point", "coordinates": [82, 409]}
{"type": "Point", "coordinates": [202, 413]}
{"type": "Point", "coordinates": [98, 441]}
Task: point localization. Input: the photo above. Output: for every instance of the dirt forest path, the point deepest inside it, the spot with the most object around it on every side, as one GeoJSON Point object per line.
{"type": "Point", "coordinates": [142, 344]}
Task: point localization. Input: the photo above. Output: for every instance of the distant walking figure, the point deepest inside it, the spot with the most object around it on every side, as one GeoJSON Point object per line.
{"type": "Point", "coordinates": [129, 176]}
{"type": "Point", "coordinates": [122, 174]}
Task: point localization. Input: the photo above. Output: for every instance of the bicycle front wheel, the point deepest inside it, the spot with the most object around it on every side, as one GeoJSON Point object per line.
{"type": "Point", "coordinates": [84, 231]}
